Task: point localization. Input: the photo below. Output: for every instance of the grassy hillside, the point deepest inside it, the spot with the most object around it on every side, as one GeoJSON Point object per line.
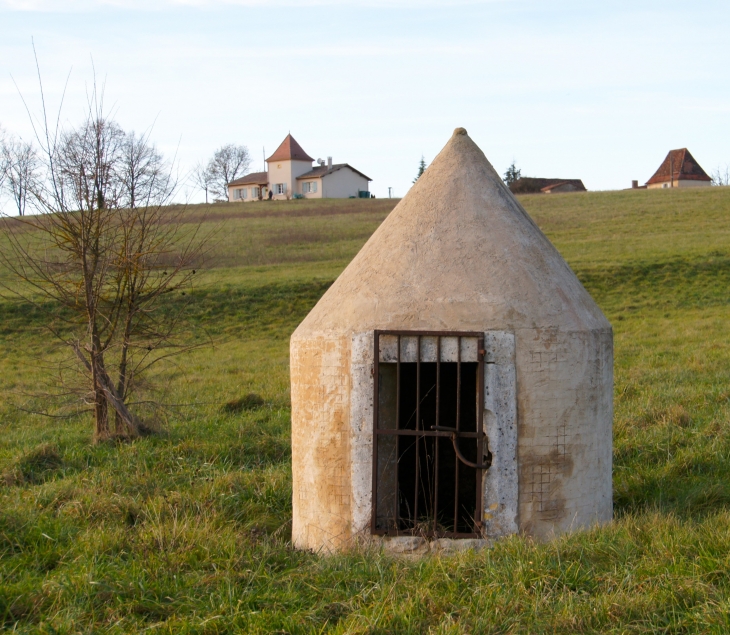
{"type": "Point", "coordinates": [188, 532]}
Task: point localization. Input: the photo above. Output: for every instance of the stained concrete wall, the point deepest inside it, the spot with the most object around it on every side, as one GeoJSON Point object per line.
{"type": "Point", "coordinates": [321, 458]}
{"type": "Point", "coordinates": [548, 417]}
{"type": "Point", "coordinates": [565, 406]}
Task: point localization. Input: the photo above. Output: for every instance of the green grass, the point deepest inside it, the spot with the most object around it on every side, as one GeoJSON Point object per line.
{"type": "Point", "coordinates": [188, 531]}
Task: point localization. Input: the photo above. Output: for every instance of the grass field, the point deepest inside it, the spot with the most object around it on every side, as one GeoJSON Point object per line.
{"type": "Point", "coordinates": [188, 531]}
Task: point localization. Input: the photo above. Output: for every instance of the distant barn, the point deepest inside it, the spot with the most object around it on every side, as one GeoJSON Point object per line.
{"type": "Point", "coordinates": [679, 169]}
{"type": "Point", "coordinates": [530, 185]}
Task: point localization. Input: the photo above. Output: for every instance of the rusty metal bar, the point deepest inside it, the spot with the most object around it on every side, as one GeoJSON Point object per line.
{"type": "Point", "coordinates": [397, 439]}
{"type": "Point", "coordinates": [418, 419]}
{"type": "Point", "coordinates": [417, 532]}
{"type": "Point", "coordinates": [376, 417]}
{"type": "Point", "coordinates": [441, 432]}
{"type": "Point", "coordinates": [458, 422]}
{"type": "Point", "coordinates": [474, 334]}
{"type": "Point", "coordinates": [436, 441]}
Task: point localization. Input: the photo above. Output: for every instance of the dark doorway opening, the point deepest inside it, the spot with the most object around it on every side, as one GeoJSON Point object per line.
{"type": "Point", "coordinates": [429, 451]}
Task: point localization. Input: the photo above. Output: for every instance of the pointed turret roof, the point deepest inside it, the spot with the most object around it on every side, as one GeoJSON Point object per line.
{"type": "Point", "coordinates": [458, 252]}
{"type": "Point", "coordinates": [679, 165]}
{"type": "Point", "coordinates": [290, 150]}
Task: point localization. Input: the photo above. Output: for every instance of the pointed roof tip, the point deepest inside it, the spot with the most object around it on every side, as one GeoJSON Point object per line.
{"type": "Point", "coordinates": [681, 165]}
{"type": "Point", "coordinates": [290, 150]}
{"type": "Point", "coordinates": [457, 252]}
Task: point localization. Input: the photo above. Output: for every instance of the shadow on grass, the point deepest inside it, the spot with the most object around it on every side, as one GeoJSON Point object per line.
{"type": "Point", "coordinates": [272, 309]}
{"type": "Point", "coordinates": [678, 283]}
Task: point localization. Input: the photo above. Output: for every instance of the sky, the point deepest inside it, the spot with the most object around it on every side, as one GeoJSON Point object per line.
{"type": "Point", "coordinates": [599, 91]}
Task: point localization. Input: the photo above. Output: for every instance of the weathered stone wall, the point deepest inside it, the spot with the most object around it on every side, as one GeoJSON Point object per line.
{"type": "Point", "coordinates": [321, 467]}
{"type": "Point", "coordinates": [501, 480]}
{"type": "Point", "coordinates": [548, 417]}
{"type": "Point", "coordinates": [565, 406]}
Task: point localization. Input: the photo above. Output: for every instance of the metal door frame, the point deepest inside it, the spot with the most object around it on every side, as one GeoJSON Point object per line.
{"type": "Point", "coordinates": [436, 431]}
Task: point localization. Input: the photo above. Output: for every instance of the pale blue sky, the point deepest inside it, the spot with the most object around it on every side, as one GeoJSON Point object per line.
{"type": "Point", "coordinates": [593, 90]}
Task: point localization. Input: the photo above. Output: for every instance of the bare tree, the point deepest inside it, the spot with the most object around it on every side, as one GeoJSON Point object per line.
{"type": "Point", "coordinates": [202, 178]}
{"type": "Point", "coordinates": [721, 176]}
{"type": "Point", "coordinates": [3, 161]}
{"type": "Point", "coordinates": [103, 256]}
{"type": "Point", "coordinates": [142, 172]}
{"type": "Point", "coordinates": [20, 166]}
{"type": "Point", "coordinates": [227, 164]}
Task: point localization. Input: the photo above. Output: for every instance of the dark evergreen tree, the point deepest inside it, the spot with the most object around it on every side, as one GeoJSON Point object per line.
{"type": "Point", "coordinates": [421, 169]}
{"type": "Point", "coordinates": [512, 174]}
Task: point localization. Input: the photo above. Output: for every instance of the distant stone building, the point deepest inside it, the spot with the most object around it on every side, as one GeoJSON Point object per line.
{"type": "Point", "coordinates": [679, 169]}
{"type": "Point", "coordinates": [530, 185]}
{"type": "Point", "coordinates": [290, 175]}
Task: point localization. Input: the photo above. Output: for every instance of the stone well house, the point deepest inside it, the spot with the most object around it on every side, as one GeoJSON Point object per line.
{"type": "Point", "coordinates": [290, 174]}
{"type": "Point", "coordinates": [455, 382]}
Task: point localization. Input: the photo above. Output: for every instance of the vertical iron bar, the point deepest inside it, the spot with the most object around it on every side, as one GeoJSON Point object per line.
{"type": "Point", "coordinates": [436, 440]}
{"type": "Point", "coordinates": [458, 415]}
{"type": "Point", "coordinates": [479, 516]}
{"type": "Point", "coordinates": [397, 440]}
{"type": "Point", "coordinates": [376, 416]}
{"type": "Point", "coordinates": [418, 419]}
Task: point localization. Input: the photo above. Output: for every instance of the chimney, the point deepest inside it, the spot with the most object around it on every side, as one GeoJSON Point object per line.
{"type": "Point", "coordinates": [329, 163]}
{"type": "Point", "coordinates": [634, 185]}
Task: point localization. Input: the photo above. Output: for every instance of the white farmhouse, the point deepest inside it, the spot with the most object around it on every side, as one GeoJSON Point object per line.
{"type": "Point", "coordinates": [290, 175]}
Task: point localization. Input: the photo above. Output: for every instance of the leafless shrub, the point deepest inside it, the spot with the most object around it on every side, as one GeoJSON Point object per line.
{"type": "Point", "coordinates": [202, 178]}
{"type": "Point", "coordinates": [101, 257]}
{"type": "Point", "coordinates": [721, 175]}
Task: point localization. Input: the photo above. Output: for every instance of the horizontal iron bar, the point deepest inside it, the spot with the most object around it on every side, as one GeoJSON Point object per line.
{"type": "Point", "coordinates": [428, 433]}
{"type": "Point", "coordinates": [418, 532]}
{"type": "Point", "coordinates": [434, 333]}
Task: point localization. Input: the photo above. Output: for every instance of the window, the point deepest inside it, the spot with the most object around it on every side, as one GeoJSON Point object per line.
{"type": "Point", "coordinates": [244, 194]}
{"type": "Point", "coordinates": [237, 194]}
{"type": "Point", "coordinates": [280, 188]}
{"type": "Point", "coordinates": [305, 187]}
{"type": "Point", "coordinates": [254, 192]}
{"type": "Point", "coordinates": [430, 451]}
{"type": "Point", "coordinates": [314, 186]}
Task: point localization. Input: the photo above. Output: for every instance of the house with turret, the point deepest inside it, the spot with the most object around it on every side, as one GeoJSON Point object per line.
{"type": "Point", "coordinates": [290, 174]}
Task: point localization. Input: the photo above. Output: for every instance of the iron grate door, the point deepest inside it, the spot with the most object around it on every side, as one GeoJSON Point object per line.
{"type": "Point", "coordinates": [429, 446]}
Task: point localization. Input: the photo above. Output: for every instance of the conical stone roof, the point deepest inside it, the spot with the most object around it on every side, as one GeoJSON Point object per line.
{"type": "Point", "coordinates": [458, 252]}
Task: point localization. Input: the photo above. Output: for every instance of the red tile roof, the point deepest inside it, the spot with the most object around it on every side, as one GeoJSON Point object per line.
{"type": "Point", "coordinates": [575, 185]}
{"type": "Point", "coordinates": [533, 185]}
{"type": "Point", "coordinates": [679, 165]}
{"type": "Point", "coordinates": [257, 178]}
{"type": "Point", "coordinates": [290, 150]}
{"type": "Point", "coordinates": [323, 170]}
